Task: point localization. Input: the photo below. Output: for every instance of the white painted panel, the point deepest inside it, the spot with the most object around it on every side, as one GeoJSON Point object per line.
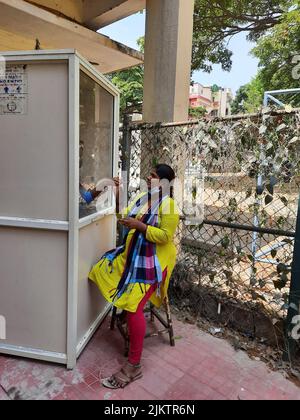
{"type": "Point", "coordinates": [33, 288]}
{"type": "Point", "coordinates": [94, 241]}
{"type": "Point", "coordinates": [34, 148]}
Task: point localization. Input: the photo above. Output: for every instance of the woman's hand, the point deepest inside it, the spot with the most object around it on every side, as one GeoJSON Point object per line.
{"type": "Point", "coordinates": [119, 185]}
{"type": "Point", "coordinates": [132, 223]}
{"type": "Point", "coordinates": [118, 182]}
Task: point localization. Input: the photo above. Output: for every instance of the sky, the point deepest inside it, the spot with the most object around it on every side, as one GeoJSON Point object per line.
{"type": "Point", "coordinates": [128, 30]}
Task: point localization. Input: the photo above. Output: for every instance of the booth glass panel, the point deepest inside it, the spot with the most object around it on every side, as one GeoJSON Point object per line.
{"type": "Point", "coordinates": [96, 141]}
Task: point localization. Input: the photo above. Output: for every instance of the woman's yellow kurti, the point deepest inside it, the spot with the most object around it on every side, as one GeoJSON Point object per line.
{"type": "Point", "coordinates": [107, 278]}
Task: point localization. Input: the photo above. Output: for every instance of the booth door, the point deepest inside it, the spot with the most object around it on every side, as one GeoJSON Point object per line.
{"type": "Point", "coordinates": [97, 220]}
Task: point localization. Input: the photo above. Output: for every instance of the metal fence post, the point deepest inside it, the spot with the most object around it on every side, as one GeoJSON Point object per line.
{"type": "Point", "coordinates": [294, 299]}
{"type": "Point", "coordinates": [125, 163]}
{"type": "Point", "coordinates": [126, 149]}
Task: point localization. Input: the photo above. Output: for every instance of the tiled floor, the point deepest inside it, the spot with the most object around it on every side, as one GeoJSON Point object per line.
{"type": "Point", "coordinates": [200, 367]}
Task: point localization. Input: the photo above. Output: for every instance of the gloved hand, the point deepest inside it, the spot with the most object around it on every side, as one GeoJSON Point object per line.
{"type": "Point", "coordinates": [86, 195]}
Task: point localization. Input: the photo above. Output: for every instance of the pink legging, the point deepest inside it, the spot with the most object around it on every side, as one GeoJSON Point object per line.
{"type": "Point", "coordinates": [137, 329]}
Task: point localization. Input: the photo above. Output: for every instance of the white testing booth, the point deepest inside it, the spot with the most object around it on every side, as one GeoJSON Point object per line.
{"type": "Point", "coordinates": [58, 129]}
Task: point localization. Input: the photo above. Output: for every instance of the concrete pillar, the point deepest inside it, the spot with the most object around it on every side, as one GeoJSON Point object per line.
{"type": "Point", "coordinates": [168, 52]}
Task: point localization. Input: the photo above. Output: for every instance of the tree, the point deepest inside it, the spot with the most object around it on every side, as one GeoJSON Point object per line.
{"type": "Point", "coordinates": [276, 52]}
{"type": "Point", "coordinates": [131, 84]}
{"type": "Point", "coordinates": [197, 113]}
{"type": "Point", "coordinates": [217, 21]}
{"type": "Point", "coordinates": [249, 98]}
{"type": "Point", "coordinates": [255, 95]}
{"type": "Point", "coordinates": [238, 104]}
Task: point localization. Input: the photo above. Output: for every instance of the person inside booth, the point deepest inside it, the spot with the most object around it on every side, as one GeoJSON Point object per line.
{"type": "Point", "coordinates": [88, 193]}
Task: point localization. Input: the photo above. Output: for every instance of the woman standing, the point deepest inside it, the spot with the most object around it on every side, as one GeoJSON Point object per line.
{"type": "Point", "coordinates": [140, 270]}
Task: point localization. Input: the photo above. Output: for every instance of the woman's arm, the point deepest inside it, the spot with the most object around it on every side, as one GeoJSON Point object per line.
{"type": "Point", "coordinates": [161, 235]}
{"type": "Point", "coordinates": [132, 223]}
{"type": "Point", "coordinates": [89, 195]}
{"type": "Point", "coordinates": [169, 216]}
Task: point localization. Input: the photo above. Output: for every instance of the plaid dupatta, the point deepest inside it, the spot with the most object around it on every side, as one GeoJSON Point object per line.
{"type": "Point", "coordinates": [142, 265]}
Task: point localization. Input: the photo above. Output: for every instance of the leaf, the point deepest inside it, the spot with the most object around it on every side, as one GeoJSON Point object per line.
{"type": "Point", "coordinates": [256, 296]}
{"type": "Point", "coordinates": [288, 108]}
{"type": "Point", "coordinates": [225, 242]}
{"type": "Point", "coordinates": [273, 253]}
{"type": "Point", "coordinates": [280, 221]}
{"type": "Point", "coordinates": [294, 140]}
{"type": "Point", "coordinates": [284, 277]}
{"type": "Point", "coordinates": [154, 161]}
{"type": "Point", "coordinates": [266, 110]}
{"type": "Point", "coordinates": [282, 268]}
{"type": "Point", "coordinates": [200, 226]}
{"type": "Point", "coordinates": [212, 277]}
{"type": "Point", "coordinates": [268, 199]}
{"type": "Point", "coordinates": [212, 144]}
{"type": "Point", "coordinates": [284, 200]}
{"type": "Point", "coordinates": [248, 193]}
{"type": "Point", "coordinates": [239, 249]}
{"type": "Point", "coordinates": [253, 281]}
{"type": "Point", "coordinates": [262, 129]}
{"type": "Point", "coordinates": [233, 202]}
{"type": "Point", "coordinates": [228, 274]}
{"type": "Point", "coordinates": [262, 283]}
{"type": "Point", "coordinates": [281, 127]}
{"type": "Point", "coordinates": [279, 284]}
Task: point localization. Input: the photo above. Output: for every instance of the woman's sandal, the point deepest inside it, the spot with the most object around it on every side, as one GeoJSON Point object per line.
{"type": "Point", "coordinates": [124, 377]}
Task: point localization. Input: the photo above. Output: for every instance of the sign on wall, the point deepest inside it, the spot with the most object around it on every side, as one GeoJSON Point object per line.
{"type": "Point", "coordinates": [14, 90]}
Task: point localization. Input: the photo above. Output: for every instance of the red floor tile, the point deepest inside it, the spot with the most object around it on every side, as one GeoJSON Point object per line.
{"type": "Point", "coordinates": [200, 367]}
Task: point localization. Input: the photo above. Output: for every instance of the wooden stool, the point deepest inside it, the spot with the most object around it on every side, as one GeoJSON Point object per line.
{"type": "Point", "coordinates": [120, 321]}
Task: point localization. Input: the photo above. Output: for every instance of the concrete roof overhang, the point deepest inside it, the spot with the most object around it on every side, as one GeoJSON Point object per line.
{"type": "Point", "coordinates": [22, 23]}
{"type": "Point", "coordinates": [94, 14]}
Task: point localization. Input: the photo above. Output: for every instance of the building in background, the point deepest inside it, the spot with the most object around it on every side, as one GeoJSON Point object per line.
{"type": "Point", "coordinates": [216, 101]}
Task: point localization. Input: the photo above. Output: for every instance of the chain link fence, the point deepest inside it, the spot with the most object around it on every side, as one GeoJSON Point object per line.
{"type": "Point", "coordinates": [234, 265]}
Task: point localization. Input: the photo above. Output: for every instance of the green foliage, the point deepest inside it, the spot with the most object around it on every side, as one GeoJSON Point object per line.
{"type": "Point", "coordinates": [238, 104]}
{"type": "Point", "coordinates": [130, 82]}
{"type": "Point", "coordinates": [141, 44]}
{"type": "Point", "coordinates": [216, 21]}
{"type": "Point", "coordinates": [255, 94]}
{"type": "Point", "coordinates": [197, 113]}
{"type": "Point", "coordinates": [275, 52]}
{"type": "Point", "coordinates": [249, 98]}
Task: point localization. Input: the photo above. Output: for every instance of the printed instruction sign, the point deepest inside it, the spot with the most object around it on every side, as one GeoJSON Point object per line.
{"type": "Point", "coordinates": [14, 90]}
